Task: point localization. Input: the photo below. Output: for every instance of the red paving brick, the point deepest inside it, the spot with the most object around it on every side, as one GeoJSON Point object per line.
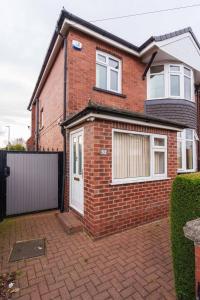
{"type": "Point", "coordinates": [135, 264]}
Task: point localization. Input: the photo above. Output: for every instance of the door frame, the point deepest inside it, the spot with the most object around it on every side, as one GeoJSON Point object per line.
{"type": "Point", "coordinates": [71, 169]}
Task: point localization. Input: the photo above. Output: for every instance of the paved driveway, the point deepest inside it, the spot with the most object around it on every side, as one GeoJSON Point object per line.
{"type": "Point", "coordinates": [135, 264]}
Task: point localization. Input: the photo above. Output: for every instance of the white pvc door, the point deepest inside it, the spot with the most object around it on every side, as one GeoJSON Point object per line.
{"type": "Point", "coordinates": [76, 166]}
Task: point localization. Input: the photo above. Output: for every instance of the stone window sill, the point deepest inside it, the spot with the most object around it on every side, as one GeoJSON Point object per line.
{"type": "Point", "coordinates": [119, 182]}
{"type": "Point", "coordinates": [108, 92]}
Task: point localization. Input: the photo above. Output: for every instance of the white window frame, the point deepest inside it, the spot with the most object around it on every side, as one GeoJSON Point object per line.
{"type": "Point", "coordinates": [183, 141]}
{"type": "Point", "coordinates": [109, 68]}
{"type": "Point", "coordinates": [167, 81]}
{"type": "Point", "coordinates": [176, 73]}
{"type": "Point", "coordinates": [192, 81]}
{"type": "Point", "coordinates": [149, 80]}
{"type": "Point", "coordinates": [153, 149]}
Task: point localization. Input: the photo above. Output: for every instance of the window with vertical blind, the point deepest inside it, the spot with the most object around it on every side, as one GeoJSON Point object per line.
{"type": "Point", "coordinates": [138, 156]}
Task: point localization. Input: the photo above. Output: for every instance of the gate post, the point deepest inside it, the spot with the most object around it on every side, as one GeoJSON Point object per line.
{"type": "Point", "coordinates": [192, 232]}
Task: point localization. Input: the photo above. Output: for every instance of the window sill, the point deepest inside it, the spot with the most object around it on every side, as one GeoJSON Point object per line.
{"type": "Point", "coordinates": [186, 171]}
{"type": "Point", "coordinates": [119, 182]}
{"type": "Point", "coordinates": [108, 92]}
{"type": "Point", "coordinates": [171, 98]}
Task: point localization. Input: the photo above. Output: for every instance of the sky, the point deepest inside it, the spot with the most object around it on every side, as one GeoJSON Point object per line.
{"type": "Point", "coordinates": [26, 27]}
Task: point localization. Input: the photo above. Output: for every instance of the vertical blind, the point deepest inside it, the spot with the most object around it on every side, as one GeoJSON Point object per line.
{"type": "Point", "coordinates": [131, 155]}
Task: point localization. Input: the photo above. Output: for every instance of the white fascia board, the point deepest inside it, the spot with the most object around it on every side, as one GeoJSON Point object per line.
{"type": "Point", "coordinates": [100, 37]}
{"type": "Point", "coordinates": [92, 116]}
{"type": "Point", "coordinates": [149, 47]}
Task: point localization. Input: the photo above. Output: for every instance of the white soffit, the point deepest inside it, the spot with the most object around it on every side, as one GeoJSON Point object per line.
{"type": "Point", "coordinates": [183, 48]}
{"type": "Point", "coordinates": [161, 56]}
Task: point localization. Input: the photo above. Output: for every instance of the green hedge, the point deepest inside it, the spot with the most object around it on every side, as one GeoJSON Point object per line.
{"type": "Point", "coordinates": [185, 206]}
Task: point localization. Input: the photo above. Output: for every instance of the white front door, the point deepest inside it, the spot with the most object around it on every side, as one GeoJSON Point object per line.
{"type": "Point", "coordinates": [76, 171]}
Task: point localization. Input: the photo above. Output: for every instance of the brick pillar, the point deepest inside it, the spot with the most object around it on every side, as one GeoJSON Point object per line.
{"type": "Point", "coordinates": [192, 232]}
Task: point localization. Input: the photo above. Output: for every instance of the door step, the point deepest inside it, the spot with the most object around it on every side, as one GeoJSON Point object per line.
{"type": "Point", "coordinates": [70, 223]}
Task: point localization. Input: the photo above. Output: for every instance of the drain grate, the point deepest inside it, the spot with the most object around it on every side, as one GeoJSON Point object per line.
{"type": "Point", "coordinates": [27, 249]}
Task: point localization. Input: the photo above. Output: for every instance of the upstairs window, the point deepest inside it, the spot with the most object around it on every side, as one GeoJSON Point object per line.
{"type": "Point", "coordinates": [170, 81]}
{"type": "Point", "coordinates": [108, 72]}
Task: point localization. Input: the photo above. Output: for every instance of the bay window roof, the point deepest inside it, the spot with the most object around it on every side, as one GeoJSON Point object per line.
{"type": "Point", "coordinates": [95, 110]}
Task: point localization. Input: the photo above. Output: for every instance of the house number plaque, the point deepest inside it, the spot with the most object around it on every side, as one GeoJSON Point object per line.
{"type": "Point", "coordinates": [103, 151]}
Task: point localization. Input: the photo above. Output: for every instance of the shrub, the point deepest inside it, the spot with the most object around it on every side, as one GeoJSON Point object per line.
{"type": "Point", "coordinates": [185, 206]}
{"type": "Point", "coordinates": [17, 147]}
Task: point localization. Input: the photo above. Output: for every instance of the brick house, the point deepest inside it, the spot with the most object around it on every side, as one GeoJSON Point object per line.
{"type": "Point", "coordinates": [126, 118]}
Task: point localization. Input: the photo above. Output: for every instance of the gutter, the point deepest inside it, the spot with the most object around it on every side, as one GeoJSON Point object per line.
{"type": "Point", "coordinates": [93, 116]}
{"type": "Point", "coordinates": [149, 65]}
{"type": "Point", "coordinates": [94, 111]}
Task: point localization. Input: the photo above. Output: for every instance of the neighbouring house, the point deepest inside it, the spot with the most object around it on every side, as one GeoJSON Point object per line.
{"type": "Point", "coordinates": [126, 117]}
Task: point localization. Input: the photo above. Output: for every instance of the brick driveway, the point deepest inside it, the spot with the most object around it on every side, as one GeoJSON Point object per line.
{"type": "Point", "coordinates": [135, 264]}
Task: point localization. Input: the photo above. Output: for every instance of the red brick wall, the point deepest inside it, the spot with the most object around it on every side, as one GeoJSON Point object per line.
{"type": "Point", "coordinates": [82, 76]}
{"type": "Point", "coordinates": [51, 100]}
{"type": "Point", "coordinates": [112, 208]}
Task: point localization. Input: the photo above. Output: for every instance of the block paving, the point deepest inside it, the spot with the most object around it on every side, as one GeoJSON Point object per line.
{"type": "Point", "coordinates": [134, 264]}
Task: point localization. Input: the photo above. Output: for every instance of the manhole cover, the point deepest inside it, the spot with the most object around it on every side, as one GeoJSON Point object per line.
{"type": "Point", "coordinates": [27, 249]}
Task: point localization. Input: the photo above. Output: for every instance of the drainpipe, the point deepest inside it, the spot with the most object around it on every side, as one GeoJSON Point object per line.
{"type": "Point", "coordinates": [149, 64]}
{"type": "Point", "coordinates": [63, 130]}
{"type": "Point", "coordinates": [37, 124]}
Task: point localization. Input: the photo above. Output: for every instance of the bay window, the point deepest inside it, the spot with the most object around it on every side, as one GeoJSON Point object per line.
{"type": "Point", "coordinates": [138, 156]}
{"type": "Point", "coordinates": [186, 150]}
{"type": "Point", "coordinates": [108, 72]}
{"type": "Point", "coordinates": [170, 81]}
